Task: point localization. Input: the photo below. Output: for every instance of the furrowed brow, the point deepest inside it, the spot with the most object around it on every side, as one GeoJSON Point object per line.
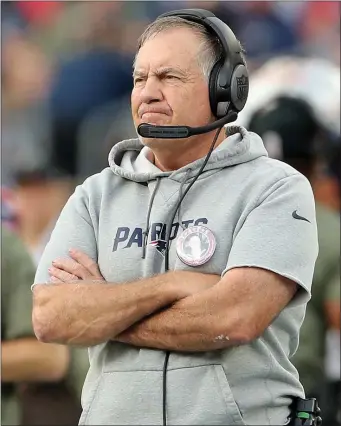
{"type": "Point", "coordinates": [139, 73]}
{"type": "Point", "coordinates": [170, 70]}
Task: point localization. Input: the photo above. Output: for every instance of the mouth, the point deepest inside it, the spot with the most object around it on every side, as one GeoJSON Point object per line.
{"type": "Point", "coordinates": [146, 115]}
{"type": "Point", "coordinates": [154, 117]}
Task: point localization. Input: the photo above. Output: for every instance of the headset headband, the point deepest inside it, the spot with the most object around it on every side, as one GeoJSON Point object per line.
{"type": "Point", "coordinates": [229, 82]}
{"type": "Point", "coordinates": [214, 25]}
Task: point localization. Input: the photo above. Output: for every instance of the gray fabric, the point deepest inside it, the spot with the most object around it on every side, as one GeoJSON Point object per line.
{"type": "Point", "coordinates": [247, 200]}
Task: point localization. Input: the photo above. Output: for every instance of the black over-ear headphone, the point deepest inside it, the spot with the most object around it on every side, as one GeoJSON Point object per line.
{"type": "Point", "coordinates": [228, 81]}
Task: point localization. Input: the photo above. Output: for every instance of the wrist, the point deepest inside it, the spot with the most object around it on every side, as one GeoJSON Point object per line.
{"type": "Point", "coordinates": [173, 286]}
{"type": "Point", "coordinates": [179, 284]}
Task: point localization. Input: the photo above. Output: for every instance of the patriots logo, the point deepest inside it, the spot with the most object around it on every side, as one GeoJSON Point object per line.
{"type": "Point", "coordinates": [160, 245]}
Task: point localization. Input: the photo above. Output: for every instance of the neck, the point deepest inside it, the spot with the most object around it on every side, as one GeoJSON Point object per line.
{"type": "Point", "coordinates": [170, 154]}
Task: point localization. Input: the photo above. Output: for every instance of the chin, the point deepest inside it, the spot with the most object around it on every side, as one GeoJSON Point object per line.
{"type": "Point", "coordinates": [155, 143]}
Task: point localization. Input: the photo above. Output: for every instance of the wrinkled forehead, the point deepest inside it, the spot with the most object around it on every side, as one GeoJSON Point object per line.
{"type": "Point", "coordinates": [177, 47]}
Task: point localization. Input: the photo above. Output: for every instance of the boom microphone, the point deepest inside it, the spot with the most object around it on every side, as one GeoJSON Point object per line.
{"type": "Point", "coordinates": [177, 132]}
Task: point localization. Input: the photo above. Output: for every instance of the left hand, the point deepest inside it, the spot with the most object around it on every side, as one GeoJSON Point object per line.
{"type": "Point", "coordinates": [79, 267]}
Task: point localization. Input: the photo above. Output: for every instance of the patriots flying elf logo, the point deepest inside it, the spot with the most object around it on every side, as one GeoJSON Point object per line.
{"type": "Point", "coordinates": [160, 245]}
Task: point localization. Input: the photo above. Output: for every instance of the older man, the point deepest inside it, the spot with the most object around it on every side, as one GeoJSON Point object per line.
{"type": "Point", "coordinates": [175, 339]}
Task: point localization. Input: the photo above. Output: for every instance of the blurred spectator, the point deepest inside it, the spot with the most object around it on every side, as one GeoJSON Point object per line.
{"type": "Point", "coordinates": [261, 30]}
{"type": "Point", "coordinates": [292, 134]}
{"type": "Point", "coordinates": [327, 187]}
{"type": "Point", "coordinates": [40, 195]}
{"type": "Point", "coordinates": [319, 29]}
{"type": "Point", "coordinates": [39, 12]}
{"type": "Point", "coordinates": [25, 126]}
{"type": "Point", "coordinates": [23, 358]}
{"type": "Point", "coordinates": [314, 80]}
{"type": "Point", "coordinates": [81, 85]}
{"type": "Point", "coordinates": [107, 124]}
{"type": "Point", "coordinates": [8, 213]}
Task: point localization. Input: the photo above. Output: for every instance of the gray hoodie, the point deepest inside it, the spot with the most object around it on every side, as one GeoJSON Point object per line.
{"type": "Point", "coordinates": [247, 200]}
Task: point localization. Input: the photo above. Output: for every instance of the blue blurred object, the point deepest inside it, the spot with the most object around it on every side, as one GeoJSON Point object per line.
{"type": "Point", "coordinates": [87, 81]}
{"type": "Point", "coordinates": [82, 85]}
{"type": "Point", "coordinates": [8, 215]}
{"type": "Point", "coordinates": [265, 34]}
{"type": "Point", "coordinates": [11, 20]}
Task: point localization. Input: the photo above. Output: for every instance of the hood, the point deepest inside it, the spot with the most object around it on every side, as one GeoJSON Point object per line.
{"type": "Point", "coordinates": [131, 160]}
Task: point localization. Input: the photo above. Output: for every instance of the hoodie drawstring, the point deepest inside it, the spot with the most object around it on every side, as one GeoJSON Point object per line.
{"type": "Point", "coordinates": [146, 232]}
{"type": "Point", "coordinates": [150, 206]}
{"type": "Point", "coordinates": [180, 195]}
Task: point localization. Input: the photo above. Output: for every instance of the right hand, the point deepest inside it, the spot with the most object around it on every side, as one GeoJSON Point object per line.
{"type": "Point", "coordinates": [79, 267]}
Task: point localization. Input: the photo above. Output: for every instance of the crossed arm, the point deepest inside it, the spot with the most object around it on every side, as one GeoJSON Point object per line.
{"type": "Point", "coordinates": [234, 311]}
{"type": "Point", "coordinates": [181, 310]}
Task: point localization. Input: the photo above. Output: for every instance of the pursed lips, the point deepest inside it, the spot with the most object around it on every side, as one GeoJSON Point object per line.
{"type": "Point", "coordinates": [152, 111]}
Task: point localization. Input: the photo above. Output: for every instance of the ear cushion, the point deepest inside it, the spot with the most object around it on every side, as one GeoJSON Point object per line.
{"type": "Point", "coordinates": [212, 87]}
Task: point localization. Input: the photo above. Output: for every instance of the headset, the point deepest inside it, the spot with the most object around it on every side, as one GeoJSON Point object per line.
{"type": "Point", "coordinates": [228, 81]}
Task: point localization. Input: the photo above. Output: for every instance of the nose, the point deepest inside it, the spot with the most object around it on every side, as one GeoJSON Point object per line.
{"type": "Point", "coordinates": [151, 91]}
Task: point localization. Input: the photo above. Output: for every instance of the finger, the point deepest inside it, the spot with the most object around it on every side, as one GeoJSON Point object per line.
{"type": "Point", "coordinates": [87, 262]}
{"type": "Point", "coordinates": [55, 280]}
{"type": "Point", "coordinates": [62, 275]}
{"type": "Point", "coordinates": [72, 267]}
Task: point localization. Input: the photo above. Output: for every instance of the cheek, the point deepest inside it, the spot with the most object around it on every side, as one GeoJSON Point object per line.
{"type": "Point", "coordinates": [134, 103]}
{"type": "Point", "coordinates": [133, 100]}
{"type": "Point", "coordinates": [194, 103]}
{"type": "Point", "coordinates": [202, 103]}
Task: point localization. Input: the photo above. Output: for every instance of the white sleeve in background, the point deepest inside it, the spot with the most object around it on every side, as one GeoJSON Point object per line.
{"type": "Point", "coordinates": [332, 358]}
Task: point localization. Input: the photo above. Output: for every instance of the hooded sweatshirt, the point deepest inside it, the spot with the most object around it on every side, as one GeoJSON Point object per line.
{"type": "Point", "coordinates": [262, 214]}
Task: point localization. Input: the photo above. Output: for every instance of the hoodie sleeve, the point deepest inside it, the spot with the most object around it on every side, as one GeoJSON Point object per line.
{"type": "Point", "coordinates": [280, 235]}
{"type": "Point", "coordinates": [74, 229]}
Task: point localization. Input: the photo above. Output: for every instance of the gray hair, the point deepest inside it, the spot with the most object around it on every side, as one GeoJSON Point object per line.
{"type": "Point", "coordinates": [210, 48]}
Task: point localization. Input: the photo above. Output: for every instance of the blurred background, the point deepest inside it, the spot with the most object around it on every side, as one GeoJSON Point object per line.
{"type": "Point", "coordinates": [66, 80]}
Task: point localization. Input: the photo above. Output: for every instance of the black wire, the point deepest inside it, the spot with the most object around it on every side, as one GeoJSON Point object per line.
{"type": "Point", "coordinates": [164, 390]}
{"type": "Point", "coordinates": [168, 230]}
{"type": "Point", "coordinates": [184, 195]}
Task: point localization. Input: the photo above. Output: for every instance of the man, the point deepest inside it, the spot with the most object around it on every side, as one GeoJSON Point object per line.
{"type": "Point", "coordinates": [228, 326]}
{"type": "Point", "coordinates": [41, 194]}
{"type": "Point", "coordinates": [23, 358]}
{"type": "Point", "coordinates": [292, 133]}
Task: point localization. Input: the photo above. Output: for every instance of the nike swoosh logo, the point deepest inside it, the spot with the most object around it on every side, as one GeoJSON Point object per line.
{"type": "Point", "coordinates": [297, 216]}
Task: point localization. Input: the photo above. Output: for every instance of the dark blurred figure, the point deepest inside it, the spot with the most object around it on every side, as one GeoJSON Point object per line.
{"type": "Point", "coordinates": [25, 129]}
{"type": "Point", "coordinates": [263, 32]}
{"type": "Point", "coordinates": [40, 195]}
{"type": "Point", "coordinates": [36, 200]}
{"type": "Point", "coordinates": [84, 83]}
{"type": "Point", "coordinates": [89, 79]}
{"type": "Point", "coordinates": [23, 358]}
{"type": "Point", "coordinates": [292, 134]}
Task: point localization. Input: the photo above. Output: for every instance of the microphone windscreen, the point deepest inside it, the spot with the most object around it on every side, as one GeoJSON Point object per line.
{"type": "Point", "coordinates": [162, 132]}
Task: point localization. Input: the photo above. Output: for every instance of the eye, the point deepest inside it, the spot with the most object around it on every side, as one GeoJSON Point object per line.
{"type": "Point", "coordinates": [138, 80]}
{"type": "Point", "coordinates": [171, 77]}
